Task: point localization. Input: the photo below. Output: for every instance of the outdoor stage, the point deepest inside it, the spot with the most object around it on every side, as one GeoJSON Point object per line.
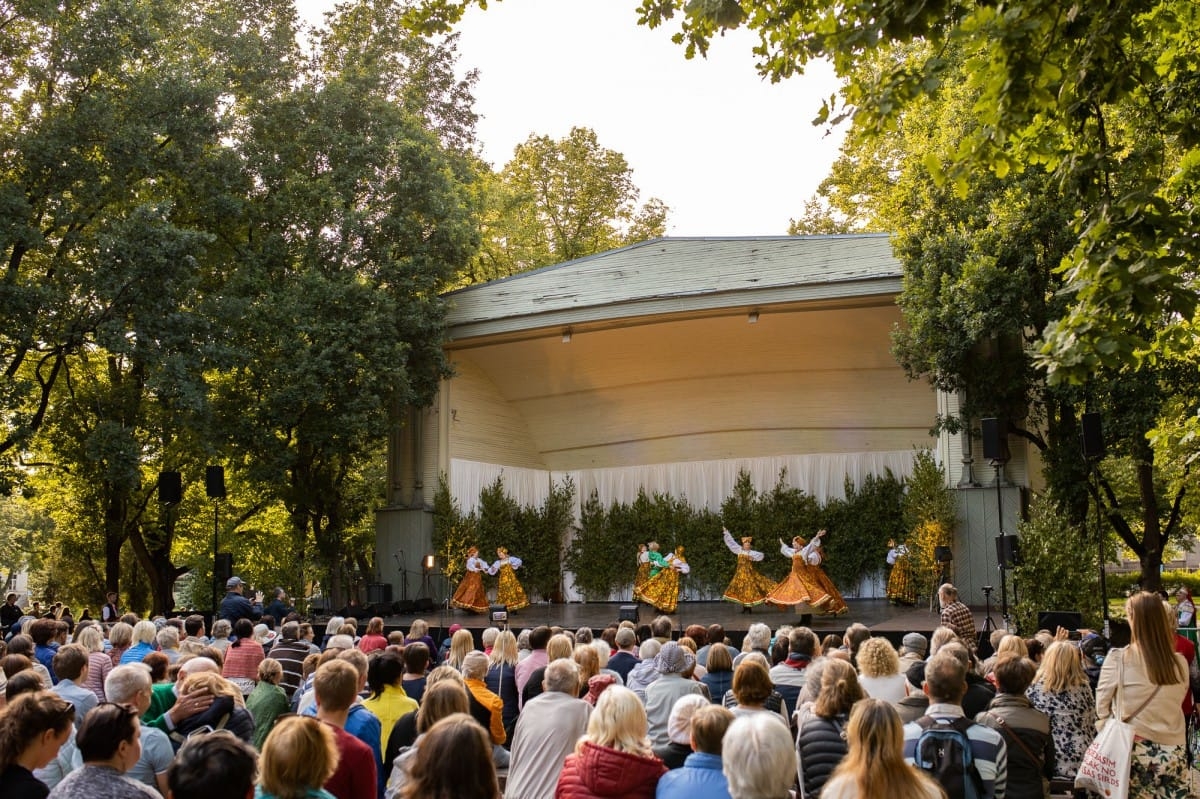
{"type": "Point", "coordinates": [881, 617]}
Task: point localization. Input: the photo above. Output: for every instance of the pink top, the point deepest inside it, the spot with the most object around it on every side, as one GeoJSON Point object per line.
{"type": "Point", "coordinates": [242, 660]}
{"type": "Point", "coordinates": [372, 643]}
{"type": "Point", "coordinates": [99, 665]}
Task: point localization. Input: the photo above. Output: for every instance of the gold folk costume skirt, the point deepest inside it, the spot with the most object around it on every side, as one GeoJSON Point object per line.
{"type": "Point", "coordinates": [748, 587]}
{"type": "Point", "coordinates": [510, 591]}
{"type": "Point", "coordinates": [470, 594]}
{"type": "Point", "coordinates": [901, 586]}
{"type": "Point", "coordinates": [662, 590]}
{"type": "Point", "coordinates": [640, 579]}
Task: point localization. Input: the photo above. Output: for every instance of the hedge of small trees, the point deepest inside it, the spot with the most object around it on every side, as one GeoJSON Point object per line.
{"type": "Point", "coordinates": [602, 552]}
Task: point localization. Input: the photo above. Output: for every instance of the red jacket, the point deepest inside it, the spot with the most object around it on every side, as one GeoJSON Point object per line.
{"type": "Point", "coordinates": [598, 771]}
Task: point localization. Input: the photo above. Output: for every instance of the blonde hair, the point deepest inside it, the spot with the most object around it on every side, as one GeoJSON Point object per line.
{"type": "Point", "coordinates": [618, 722]}
{"type": "Point", "coordinates": [214, 684]}
{"type": "Point", "coordinates": [874, 762]}
{"type": "Point", "coordinates": [588, 661]}
{"type": "Point", "coordinates": [1152, 638]}
{"type": "Point", "coordinates": [418, 629]}
{"type": "Point", "coordinates": [1061, 668]}
{"type": "Point", "coordinates": [270, 670]}
{"type": "Point", "coordinates": [559, 647]}
{"type": "Point", "coordinates": [440, 701]}
{"type": "Point", "coordinates": [504, 650]}
{"type": "Point", "coordinates": [877, 658]}
{"type": "Point", "coordinates": [839, 690]}
{"type": "Point", "coordinates": [300, 754]}
{"type": "Point", "coordinates": [461, 643]}
{"type": "Point", "coordinates": [90, 638]}
{"type": "Point", "coordinates": [121, 634]}
{"type": "Point", "coordinates": [941, 636]}
{"type": "Point", "coordinates": [1012, 644]}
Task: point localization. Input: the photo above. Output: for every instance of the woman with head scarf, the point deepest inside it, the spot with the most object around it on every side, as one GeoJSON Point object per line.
{"type": "Point", "coordinates": [470, 594]}
{"type": "Point", "coordinates": [807, 583]}
{"type": "Point", "coordinates": [747, 588]}
{"type": "Point", "coordinates": [508, 588]}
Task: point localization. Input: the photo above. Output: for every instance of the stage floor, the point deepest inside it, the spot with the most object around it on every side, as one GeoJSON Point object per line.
{"type": "Point", "coordinates": [881, 617]}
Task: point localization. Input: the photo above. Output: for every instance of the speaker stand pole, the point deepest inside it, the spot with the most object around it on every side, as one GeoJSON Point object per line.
{"type": "Point", "coordinates": [216, 543]}
{"type": "Point", "coordinates": [1003, 549]}
{"type": "Point", "coordinates": [1100, 545]}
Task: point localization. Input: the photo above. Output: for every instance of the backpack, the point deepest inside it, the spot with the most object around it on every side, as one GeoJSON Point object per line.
{"type": "Point", "coordinates": [944, 752]}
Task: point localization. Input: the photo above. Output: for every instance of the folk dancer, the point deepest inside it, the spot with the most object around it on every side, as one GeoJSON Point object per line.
{"type": "Point", "coordinates": [470, 594]}
{"type": "Point", "coordinates": [806, 583]}
{"type": "Point", "coordinates": [643, 571]}
{"type": "Point", "coordinates": [662, 589]}
{"type": "Point", "coordinates": [747, 588]}
{"type": "Point", "coordinates": [901, 588]}
{"type": "Point", "coordinates": [508, 591]}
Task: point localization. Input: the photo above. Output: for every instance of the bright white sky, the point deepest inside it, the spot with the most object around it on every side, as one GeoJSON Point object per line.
{"type": "Point", "coordinates": [728, 152]}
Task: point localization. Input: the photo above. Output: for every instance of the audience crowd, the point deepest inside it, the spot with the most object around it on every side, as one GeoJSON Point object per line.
{"type": "Point", "coordinates": [266, 707]}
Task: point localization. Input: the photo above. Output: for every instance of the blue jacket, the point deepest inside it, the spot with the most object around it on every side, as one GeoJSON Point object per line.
{"type": "Point", "coordinates": [45, 655]}
{"type": "Point", "coordinates": [700, 778]}
{"type": "Point", "coordinates": [235, 606]}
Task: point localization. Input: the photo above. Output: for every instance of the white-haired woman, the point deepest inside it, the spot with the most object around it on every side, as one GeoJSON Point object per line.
{"type": "Point", "coordinates": [614, 757]}
{"type": "Point", "coordinates": [144, 633]}
{"type": "Point", "coordinates": [758, 759]}
{"type": "Point", "coordinates": [758, 639]}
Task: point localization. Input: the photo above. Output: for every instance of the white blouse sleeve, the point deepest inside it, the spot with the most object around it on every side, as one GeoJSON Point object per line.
{"type": "Point", "coordinates": [514, 561]}
{"type": "Point", "coordinates": [787, 551]}
{"type": "Point", "coordinates": [729, 542]}
{"type": "Point", "coordinates": [812, 552]}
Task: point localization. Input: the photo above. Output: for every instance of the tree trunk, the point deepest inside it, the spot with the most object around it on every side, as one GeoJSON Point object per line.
{"type": "Point", "coordinates": [114, 537]}
{"type": "Point", "coordinates": [1153, 541]}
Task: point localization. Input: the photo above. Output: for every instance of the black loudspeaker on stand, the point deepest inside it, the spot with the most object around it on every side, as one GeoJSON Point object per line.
{"type": "Point", "coordinates": [995, 439]}
{"type": "Point", "coordinates": [214, 482]}
{"type": "Point", "coordinates": [1008, 551]}
{"type": "Point", "coordinates": [1092, 435]}
{"type": "Point", "coordinates": [170, 488]}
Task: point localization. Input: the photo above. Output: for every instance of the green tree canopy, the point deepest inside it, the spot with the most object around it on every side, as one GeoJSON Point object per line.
{"type": "Point", "coordinates": [558, 200]}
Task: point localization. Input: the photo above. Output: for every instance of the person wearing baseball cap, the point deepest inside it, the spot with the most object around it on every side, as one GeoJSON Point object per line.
{"type": "Point", "coordinates": [235, 606]}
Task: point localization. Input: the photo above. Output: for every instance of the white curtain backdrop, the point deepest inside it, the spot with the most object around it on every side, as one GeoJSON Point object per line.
{"type": "Point", "coordinates": [705, 484]}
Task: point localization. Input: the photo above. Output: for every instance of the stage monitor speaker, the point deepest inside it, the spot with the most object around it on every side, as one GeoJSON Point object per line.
{"type": "Point", "coordinates": [628, 613]}
{"type": "Point", "coordinates": [170, 488]}
{"type": "Point", "coordinates": [403, 607]}
{"type": "Point", "coordinates": [214, 481]}
{"type": "Point", "coordinates": [995, 439]}
{"type": "Point", "coordinates": [943, 554]}
{"type": "Point", "coordinates": [1008, 550]}
{"type": "Point", "coordinates": [424, 605]}
{"type": "Point", "coordinates": [1092, 435]}
{"type": "Point", "coordinates": [378, 593]}
{"type": "Point", "coordinates": [1053, 619]}
{"type": "Point", "coordinates": [224, 566]}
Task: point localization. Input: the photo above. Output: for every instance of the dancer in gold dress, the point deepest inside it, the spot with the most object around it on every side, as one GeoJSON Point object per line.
{"type": "Point", "coordinates": [643, 571]}
{"type": "Point", "coordinates": [807, 583]}
{"type": "Point", "coordinates": [662, 589]}
{"type": "Point", "coordinates": [470, 594]}
{"type": "Point", "coordinates": [747, 588]}
{"type": "Point", "coordinates": [901, 588]}
{"type": "Point", "coordinates": [508, 591]}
